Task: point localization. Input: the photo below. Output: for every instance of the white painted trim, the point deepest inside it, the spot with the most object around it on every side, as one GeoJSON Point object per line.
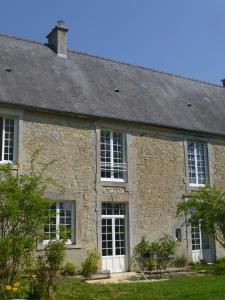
{"type": "Point", "coordinates": [112, 157]}
{"type": "Point", "coordinates": [206, 163]}
{"type": "Point", "coordinates": [17, 115]}
{"type": "Point", "coordinates": [196, 185]}
{"type": "Point", "coordinates": [112, 179]}
{"type": "Point", "coordinates": [3, 139]}
{"type": "Point", "coordinates": [73, 218]}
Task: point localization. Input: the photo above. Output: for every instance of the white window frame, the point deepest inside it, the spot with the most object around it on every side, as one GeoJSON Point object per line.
{"type": "Point", "coordinates": [73, 213]}
{"type": "Point", "coordinates": [196, 167]}
{"type": "Point", "coordinates": [3, 161]}
{"type": "Point", "coordinates": [112, 164]}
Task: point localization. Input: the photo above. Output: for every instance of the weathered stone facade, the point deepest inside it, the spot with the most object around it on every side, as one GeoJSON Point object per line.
{"type": "Point", "coordinates": [157, 176]}
{"type": "Point", "coordinates": [70, 143]}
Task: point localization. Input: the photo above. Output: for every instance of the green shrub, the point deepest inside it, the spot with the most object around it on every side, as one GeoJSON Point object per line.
{"type": "Point", "coordinates": [142, 248]}
{"type": "Point", "coordinates": [42, 280]}
{"type": "Point", "coordinates": [180, 262]}
{"type": "Point", "coordinates": [69, 269]}
{"type": "Point", "coordinates": [164, 247]}
{"type": "Point", "coordinates": [160, 249]}
{"type": "Point", "coordinates": [219, 266]}
{"type": "Point", "coordinates": [90, 265]}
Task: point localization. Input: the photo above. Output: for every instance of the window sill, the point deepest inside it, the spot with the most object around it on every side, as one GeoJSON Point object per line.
{"type": "Point", "coordinates": [195, 187]}
{"type": "Point", "coordinates": [14, 165]}
{"type": "Point", "coordinates": [112, 180]}
{"type": "Point", "coordinates": [41, 247]}
{"type": "Point", "coordinates": [114, 183]}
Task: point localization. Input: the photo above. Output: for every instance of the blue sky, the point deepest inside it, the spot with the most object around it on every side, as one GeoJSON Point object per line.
{"type": "Point", "coordinates": [185, 37]}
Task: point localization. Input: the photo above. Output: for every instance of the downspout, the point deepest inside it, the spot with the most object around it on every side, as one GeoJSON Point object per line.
{"type": "Point", "coordinates": [185, 191]}
{"type": "Point", "coordinates": [96, 184]}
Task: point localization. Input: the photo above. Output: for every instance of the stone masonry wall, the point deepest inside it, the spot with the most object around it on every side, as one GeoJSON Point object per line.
{"type": "Point", "coordinates": [71, 144]}
{"type": "Point", "coordinates": [156, 173]}
{"type": "Point", "coordinates": [159, 174]}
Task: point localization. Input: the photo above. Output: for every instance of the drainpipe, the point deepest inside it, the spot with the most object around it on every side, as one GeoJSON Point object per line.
{"type": "Point", "coordinates": [96, 185]}
{"type": "Point", "coordinates": [185, 191]}
{"type": "Point", "coordinates": [200, 236]}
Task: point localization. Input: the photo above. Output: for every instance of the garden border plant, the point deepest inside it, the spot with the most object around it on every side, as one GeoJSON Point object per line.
{"type": "Point", "coordinates": [23, 209]}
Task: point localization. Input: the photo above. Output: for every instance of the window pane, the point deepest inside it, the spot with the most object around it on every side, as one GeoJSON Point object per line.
{"type": "Point", "coordinates": [118, 156]}
{"type": "Point", "coordinates": [105, 154]}
{"type": "Point", "coordinates": [65, 220]}
{"type": "Point", "coordinates": [9, 137]}
{"type": "Point", "coordinates": [50, 225]}
{"type": "Point", "coordinates": [59, 221]}
{"type": "Point", "coordinates": [196, 163]}
{"type": "Point", "coordinates": [200, 163]}
{"type": "Point", "coordinates": [106, 237]}
{"type": "Point", "coordinates": [191, 163]}
{"type": "Point", "coordinates": [113, 163]}
{"type": "Point", "coordinates": [109, 208]}
{"type": "Point", "coordinates": [195, 236]}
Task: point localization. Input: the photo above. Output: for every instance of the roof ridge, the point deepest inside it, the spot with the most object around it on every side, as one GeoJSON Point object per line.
{"type": "Point", "coordinates": [117, 61]}
{"type": "Point", "coordinates": [146, 68]}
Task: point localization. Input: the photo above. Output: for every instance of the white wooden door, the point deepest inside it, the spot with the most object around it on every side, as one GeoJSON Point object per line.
{"type": "Point", "coordinates": [114, 239]}
{"type": "Point", "coordinates": [196, 243]}
{"type": "Point", "coordinates": [202, 246]}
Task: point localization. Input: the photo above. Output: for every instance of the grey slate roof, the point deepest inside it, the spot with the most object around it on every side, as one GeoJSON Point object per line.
{"type": "Point", "coordinates": [84, 84]}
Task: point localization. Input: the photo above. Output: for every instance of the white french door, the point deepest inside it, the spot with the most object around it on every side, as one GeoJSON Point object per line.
{"type": "Point", "coordinates": [113, 237]}
{"type": "Point", "coordinates": [196, 240]}
{"type": "Point", "coordinates": [202, 246]}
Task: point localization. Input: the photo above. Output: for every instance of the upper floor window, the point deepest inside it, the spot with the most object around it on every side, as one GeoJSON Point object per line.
{"type": "Point", "coordinates": [7, 136]}
{"type": "Point", "coordinates": [60, 222]}
{"type": "Point", "coordinates": [197, 164]}
{"type": "Point", "coordinates": [113, 156]}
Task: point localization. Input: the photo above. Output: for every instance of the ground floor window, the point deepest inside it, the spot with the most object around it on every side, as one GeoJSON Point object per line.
{"type": "Point", "coordinates": [60, 222]}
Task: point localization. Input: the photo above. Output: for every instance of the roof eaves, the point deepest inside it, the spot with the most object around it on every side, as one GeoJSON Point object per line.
{"type": "Point", "coordinates": [88, 115]}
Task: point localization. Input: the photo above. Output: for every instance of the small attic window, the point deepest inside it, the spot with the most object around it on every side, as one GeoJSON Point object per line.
{"type": "Point", "coordinates": [8, 70]}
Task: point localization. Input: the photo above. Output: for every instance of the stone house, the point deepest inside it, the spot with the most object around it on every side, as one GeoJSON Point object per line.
{"type": "Point", "coordinates": [129, 143]}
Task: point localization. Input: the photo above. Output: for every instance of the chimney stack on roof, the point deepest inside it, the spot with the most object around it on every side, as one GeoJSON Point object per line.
{"type": "Point", "coordinates": [57, 39]}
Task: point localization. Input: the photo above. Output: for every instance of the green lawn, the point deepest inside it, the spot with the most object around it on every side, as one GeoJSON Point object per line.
{"type": "Point", "coordinates": [199, 288]}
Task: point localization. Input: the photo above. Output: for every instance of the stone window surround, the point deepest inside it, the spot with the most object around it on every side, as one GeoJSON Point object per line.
{"type": "Point", "coordinates": [205, 160]}
{"type": "Point", "coordinates": [63, 197]}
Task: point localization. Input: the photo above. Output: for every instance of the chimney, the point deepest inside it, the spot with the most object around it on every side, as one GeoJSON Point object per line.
{"type": "Point", "coordinates": [57, 39]}
{"type": "Point", "coordinates": [223, 81]}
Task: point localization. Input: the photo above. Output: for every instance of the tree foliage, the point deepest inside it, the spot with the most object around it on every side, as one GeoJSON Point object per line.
{"type": "Point", "coordinates": [42, 278]}
{"type": "Point", "coordinates": [207, 206]}
{"type": "Point", "coordinates": [22, 211]}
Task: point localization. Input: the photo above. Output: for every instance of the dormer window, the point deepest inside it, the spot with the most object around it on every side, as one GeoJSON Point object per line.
{"type": "Point", "coordinates": [113, 156]}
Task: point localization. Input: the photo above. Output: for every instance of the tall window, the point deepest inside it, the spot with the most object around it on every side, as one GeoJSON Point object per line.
{"type": "Point", "coordinates": [113, 156]}
{"type": "Point", "coordinates": [60, 222]}
{"type": "Point", "coordinates": [197, 164]}
{"type": "Point", "coordinates": [7, 128]}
